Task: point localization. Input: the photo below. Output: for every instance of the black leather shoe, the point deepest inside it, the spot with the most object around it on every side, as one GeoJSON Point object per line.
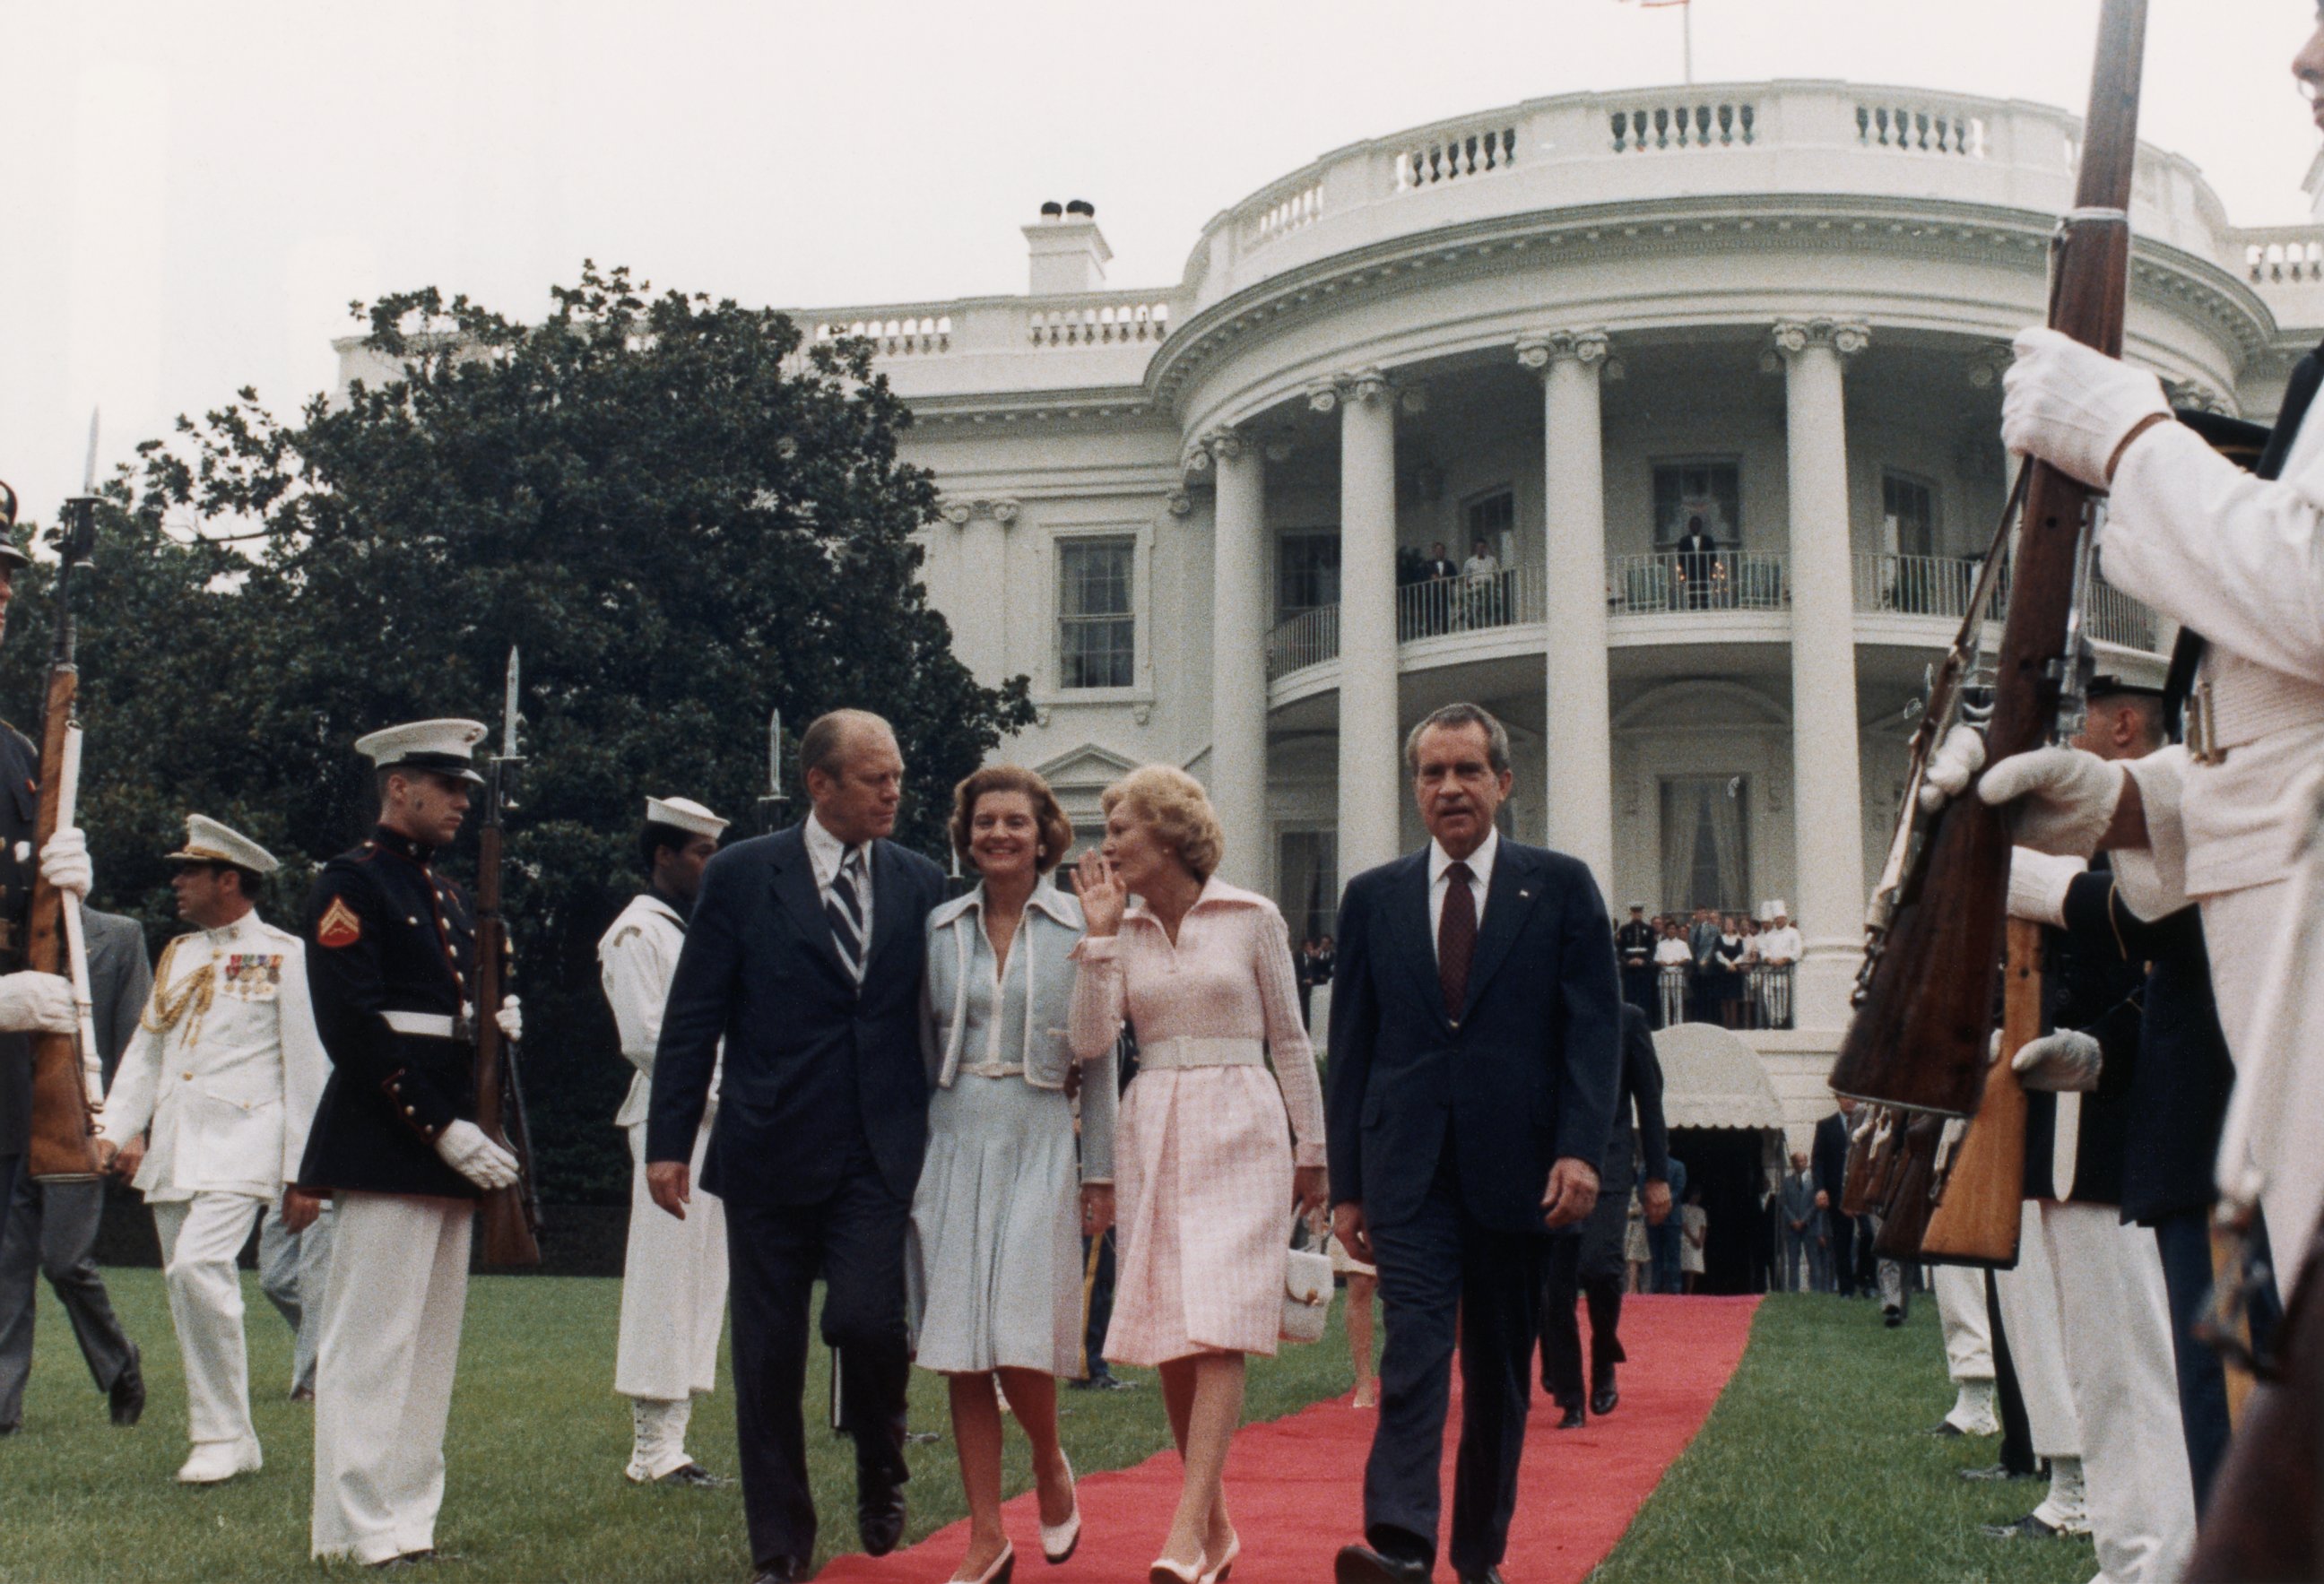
{"type": "Point", "coordinates": [781, 1571]}
{"type": "Point", "coordinates": [1892, 1318]}
{"type": "Point", "coordinates": [1602, 1400]}
{"type": "Point", "coordinates": [879, 1517]}
{"type": "Point", "coordinates": [1361, 1565]}
{"type": "Point", "coordinates": [1573, 1418]}
{"type": "Point", "coordinates": [126, 1396]}
{"type": "Point", "coordinates": [1489, 1575]}
{"type": "Point", "coordinates": [693, 1476]}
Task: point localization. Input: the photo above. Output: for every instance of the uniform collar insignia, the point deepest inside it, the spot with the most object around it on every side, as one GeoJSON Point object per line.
{"type": "Point", "coordinates": [404, 846]}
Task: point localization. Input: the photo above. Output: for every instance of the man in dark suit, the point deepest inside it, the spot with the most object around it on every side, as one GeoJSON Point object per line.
{"type": "Point", "coordinates": [1475, 1053]}
{"type": "Point", "coordinates": [1634, 944]}
{"type": "Point", "coordinates": [1589, 1261]}
{"type": "Point", "coordinates": [804, 957]}
{"type": "Point", "coordinates": [1698, 566]}
{"type": "Point", "coordinates": [1831, 1179]}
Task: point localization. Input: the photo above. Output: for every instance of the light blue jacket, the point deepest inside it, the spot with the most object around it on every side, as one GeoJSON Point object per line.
{"type": "Point", "coordinates": [1052, 926]}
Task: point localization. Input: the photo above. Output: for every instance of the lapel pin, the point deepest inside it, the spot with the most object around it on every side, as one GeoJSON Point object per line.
{"type": "Point", "coordinates": [1523, 892]}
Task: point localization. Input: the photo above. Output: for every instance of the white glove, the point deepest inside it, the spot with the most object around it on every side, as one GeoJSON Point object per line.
{"type": "Point", "coordinates": [37, 1003]}
{"type": "Point", "coordinates": [1953, 766]}
{"type": "Point", "coordinates": [2065, 797]}
{"type": "Point", "coordinates": [2067, 1062]}
{"type": "Point", "coordinates": [64, 862]}
{"type": "Point", "coordinates": [511, 1018]}
{"type": "Point", "coordinates": [466, 1150]}
{"type": "Point", "coordinates": [2071, 406]}
{"type": "Point", "coordinates": [2038, 883]}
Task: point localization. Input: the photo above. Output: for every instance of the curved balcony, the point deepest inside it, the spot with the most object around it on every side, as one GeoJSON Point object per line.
{"type": "Point", "coordinates": [1675, 598]}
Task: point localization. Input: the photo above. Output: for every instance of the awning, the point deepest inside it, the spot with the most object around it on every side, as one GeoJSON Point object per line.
{"type": "Point", "coordinates": [1712, 1079]}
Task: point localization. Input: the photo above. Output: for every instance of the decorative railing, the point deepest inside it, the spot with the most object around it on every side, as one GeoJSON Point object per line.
{"type": "Point", "coordinates": [901, 338]}
{"type": "Point", "coordinates": [1764, 999]}
{"type": "Point", "coordinates": [1465, 604]}
{"type": "Point", "coordinates": [1110, 324]}
{"type": "Point", "coordinates": [1307, 639]}
{"type": "Point", "coordinates": [1703, 124]}
{"type": "Point", "coordinates": [1675, 581]}
{"type": "Point", "coordinates": [1920, 129]}
{"type": "Point", "coordinates": [1284, 212]}
{"type": "Point", "coordinates": [2284, 255]}
{"type": "Point", "coordinates": [1453, 156]}
{"type": "Point", "coordinates": [2112, 616]}
{"type": "Point", "coordinates": [1922, 585]}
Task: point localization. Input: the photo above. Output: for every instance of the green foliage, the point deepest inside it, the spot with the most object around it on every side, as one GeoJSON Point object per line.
{"type": "Point", "coordinates": [683, 515]}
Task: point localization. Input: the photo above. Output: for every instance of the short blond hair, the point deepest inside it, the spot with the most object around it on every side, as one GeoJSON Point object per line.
{"type": "Point", "coordinates": [1176, 806]}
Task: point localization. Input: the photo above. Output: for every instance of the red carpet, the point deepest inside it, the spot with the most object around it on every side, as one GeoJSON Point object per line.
{"type": "Point", "coordinates": [1295, 1486]}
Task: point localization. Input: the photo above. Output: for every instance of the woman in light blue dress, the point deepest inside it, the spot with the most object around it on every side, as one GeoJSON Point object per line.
{"type": "Point", "coordinates": [995, 1255]}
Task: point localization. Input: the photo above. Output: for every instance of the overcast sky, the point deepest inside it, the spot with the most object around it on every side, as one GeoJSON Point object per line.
{"type": "Point", "coordinates": [193, 192]}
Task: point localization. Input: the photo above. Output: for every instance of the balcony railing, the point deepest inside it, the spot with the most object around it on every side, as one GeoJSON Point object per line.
{"type": "Point", "coordinates": [1307, 639]}
{"type": "Point", "coordinates": [1722, 580]}
{"type": "Point", "coordinates": [1922, 585]}
{"type": "Point", "coordinates": [1439, 605]}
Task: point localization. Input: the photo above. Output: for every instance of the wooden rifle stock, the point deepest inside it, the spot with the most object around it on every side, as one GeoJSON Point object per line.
{"type": "Point", "coordinates": [1981, 1205]}
{"type": "Point", "coordinates": [1919, 1037]}
{"type": "Point", "coordinates": [63, 1144]}
{"type": "Point", "coordinates": [510, 1215]}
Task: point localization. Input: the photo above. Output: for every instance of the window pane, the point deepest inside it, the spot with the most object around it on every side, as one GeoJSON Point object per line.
{"type": "Point", "coordinates": [1308, 571]}
{"type": "Point", "coordinates": [1710, 491]}
{"type": "Point", "coordinates": [1097, 630]}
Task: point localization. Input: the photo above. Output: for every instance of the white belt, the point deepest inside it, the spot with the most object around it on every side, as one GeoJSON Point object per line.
{"type": "Point", "coordinates": [2242, 704]}
{"type": "Point", "coordinates": [995, 1070]}
{"type": "Point", "coordinates": [427, 1025]}
{"type": "Point", "coordinates": [1186, 1052]}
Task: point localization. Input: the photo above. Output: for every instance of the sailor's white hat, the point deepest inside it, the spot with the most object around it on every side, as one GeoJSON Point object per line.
{"type": "Point", "coordinates": [685, 813]}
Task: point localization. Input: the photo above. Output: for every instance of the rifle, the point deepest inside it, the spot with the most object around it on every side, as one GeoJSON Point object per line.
{"type": "Point", "coordinates": [68, 1077]}
{"type": "Point", "coordinates": [770, 806]}
{"type": "Point", "coordinates": [511, 1215]}
{"type": "Point", "coordinates": [1935, 938]}
{"type": "Point", "coordinates": [1981, 1192]}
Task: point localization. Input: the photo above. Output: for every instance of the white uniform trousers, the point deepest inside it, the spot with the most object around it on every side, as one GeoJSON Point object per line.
{"type": "Point", "coordinates": [2029, 1316]}
{"type": "Point", "coordinates": [2115, 1322]}
{"type": "Point", "coordinates": [201, 1237]}
{"type": "Point", "coordinates": [384, 1371]}
{"type": "Point", "coordinates": [2245, 932]}
{"type": "Point", "coordinates": [1969, 1333]}
{"type": "Point", "coordinates": [673, 1298]}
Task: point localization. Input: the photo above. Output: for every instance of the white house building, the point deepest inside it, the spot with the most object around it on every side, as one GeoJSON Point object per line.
{"type": "Point", "coordinates": [1569, 328]}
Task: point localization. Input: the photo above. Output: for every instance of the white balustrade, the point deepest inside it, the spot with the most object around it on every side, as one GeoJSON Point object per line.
{"type": "Point", "coordinates": [1920, 129]}
{"type": "Point", "coordinates": [1724, 123]}
{"type": "Point", "coordinates": [1438, 605]}
{"type": "Point", "coordinates": [1723, 580]}
{"type": "Point", "coordinates": [1112, 324]}
{"type": "Point", "coordinates": [896, 338]}
{"type": "Point", "coordinates": [2284, 255]}
{"type": "Point", "coordinates": [1454, 155]}
{"type": "Point", "coordinates": [1307, 639]}
{"type": "Point", "coordinates": [1281, 213]}
{"type": "Point", "coordinates": [2112, 616]}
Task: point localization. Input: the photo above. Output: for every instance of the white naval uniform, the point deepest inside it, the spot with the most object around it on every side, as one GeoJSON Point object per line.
{"type": "Point", "coordinates": [227, 1067]}
{"type": "Point", "coordinates": [674, 1275]}
{"type": "Point", "coordinates": [1967, 1329]}
{"type": "Point", "coordinates": [2241, 561]}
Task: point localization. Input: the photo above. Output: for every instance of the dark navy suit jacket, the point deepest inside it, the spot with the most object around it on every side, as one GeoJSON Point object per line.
{"type": "Point", "coordinates": [1525, 1073]}
{"type": "Point", "coordinates": [810, 1059]}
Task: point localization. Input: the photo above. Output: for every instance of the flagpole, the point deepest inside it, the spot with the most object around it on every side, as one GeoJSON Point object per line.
{"type": "Point", "coordinates": [1686, 33]}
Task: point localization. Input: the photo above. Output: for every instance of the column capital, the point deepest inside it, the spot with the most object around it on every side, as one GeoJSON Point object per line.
{"type": "Point", "coordinates": [1984, 365]}
{"type": "Point", "coordinates": [1364, 387]}
{"type": "Point", "coordinates": [960, 511]}
{"type": "Point", "coordinates": [2198, 395]}
{"type": "Point", "coordinates": [1539, 352]}
{"type": "Point", "coordinates": [1211, 446]}
{"type": "Point", "coordinates": [1846, 338]}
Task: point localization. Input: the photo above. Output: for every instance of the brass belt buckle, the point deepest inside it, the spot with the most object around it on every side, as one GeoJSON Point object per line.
{"type": "Point", "coordinates": [2203, 727]}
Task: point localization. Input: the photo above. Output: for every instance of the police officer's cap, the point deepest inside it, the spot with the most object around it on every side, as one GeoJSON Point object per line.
{"type": "Point", "coordinates": [445, 747]}
{"type": "Point", "coordinates": [208, 842]}
{"type": "Point", "coordinates": [686, 815]}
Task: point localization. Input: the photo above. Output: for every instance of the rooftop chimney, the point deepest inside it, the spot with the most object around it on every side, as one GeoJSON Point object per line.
{"type": "Point", "coordinates": [1068, 252]}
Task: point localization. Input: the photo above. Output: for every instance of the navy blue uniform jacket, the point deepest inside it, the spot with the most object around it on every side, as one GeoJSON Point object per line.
{"type": "Point", "coordinates": [1525, 1073]}
{"type": "Point", "coordinates": [810, 1058]}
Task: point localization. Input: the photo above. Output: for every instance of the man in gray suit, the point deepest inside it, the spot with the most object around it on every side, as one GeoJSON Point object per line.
{"type": "Point", "coordinates": [1803, 1230]}
{"type": "Point", "coordinates": [50, 1227]}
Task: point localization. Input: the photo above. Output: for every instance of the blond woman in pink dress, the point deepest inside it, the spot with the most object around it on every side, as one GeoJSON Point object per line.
{"type": "Point", "coordinates": [1207, 1174]}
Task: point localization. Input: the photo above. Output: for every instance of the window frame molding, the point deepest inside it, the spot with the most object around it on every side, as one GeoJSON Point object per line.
{"type": "Point", "coordinates": [1048, 689]}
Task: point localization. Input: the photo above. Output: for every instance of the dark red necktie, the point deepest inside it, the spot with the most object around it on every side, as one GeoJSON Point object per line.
{"type": "Point", "coordinates": [1456, 939]}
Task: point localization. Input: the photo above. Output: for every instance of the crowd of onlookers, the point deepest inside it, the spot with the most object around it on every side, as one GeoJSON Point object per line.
{"type": "Point", "coordinates": [1709, 967]}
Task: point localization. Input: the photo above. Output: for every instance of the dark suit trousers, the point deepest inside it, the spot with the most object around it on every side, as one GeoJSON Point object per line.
{"type": "Point", "coordinates": [854, 1239]}
{"type": "Point", "coordinates": [2184, 1238]}
{"type": "Point", "coordinates": [1439, 1273]}
{"type": "Point", "coordinates": [1588, 1262]}
{"type": "Point", "coordinates": [50, 1229]}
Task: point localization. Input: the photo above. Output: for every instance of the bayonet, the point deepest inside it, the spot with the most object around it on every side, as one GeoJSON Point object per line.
{"type": "Point", "coordinates": [509, 707]}
{"type": "Point", "coordinates": [770, 805]}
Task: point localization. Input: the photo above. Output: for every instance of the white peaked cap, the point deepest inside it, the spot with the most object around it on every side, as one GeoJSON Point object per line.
{"type": "Point", "coordinates": [686, 815]}
{"type": "Point", "coordinates": [445, 747]}
{"type": "Point", "coordinates": [208, 842]}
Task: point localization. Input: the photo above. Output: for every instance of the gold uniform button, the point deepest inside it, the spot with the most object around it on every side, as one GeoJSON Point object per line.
{"type": "Point", "coordinates": [188, 1077]}
{"type": "Point", "coordinates": [407, 1110]}
{"type": "Point", "coordinates": [411, 919]}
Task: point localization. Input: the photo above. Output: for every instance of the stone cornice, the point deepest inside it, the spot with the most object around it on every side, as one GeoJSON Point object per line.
{"type": "Point", "coordinates": [1860, 225]}
{"type": "Point", "coordinates": [1096, 406]}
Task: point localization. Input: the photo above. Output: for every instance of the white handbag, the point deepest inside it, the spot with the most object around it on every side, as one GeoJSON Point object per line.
{"type": "Point", "coordinates": [1306, 1294]}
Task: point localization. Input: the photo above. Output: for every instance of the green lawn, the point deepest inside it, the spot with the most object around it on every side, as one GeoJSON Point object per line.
{"type": "Point", "coordinates": [1811, 1468]}
{"type": "Point", "coordinates": [1814, 1467]}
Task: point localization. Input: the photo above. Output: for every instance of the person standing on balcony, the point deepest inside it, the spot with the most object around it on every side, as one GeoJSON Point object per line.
{"type": "Point", "coordinates": [1480, 573]}
{"type": "Point", "coordinates": [1634, 947]}
{"type": "Point", "coordinates": [1729, 974]}
{"type": "Point", "coordinates": [1698, 564]}
{"type": "Point", "coordinates": [1674, 962]}
{"type": "Point", "coordinates": [1780, 946]}
{"type": "Point", "coordinates": [1436, 586]}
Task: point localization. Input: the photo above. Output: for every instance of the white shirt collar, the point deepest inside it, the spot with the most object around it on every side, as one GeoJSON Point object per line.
{"type": "Point", "coordinates": [228, 933]}
{"type": "Point", "coordinates": [827, 852]}
{"type": "Point", "coordinates": [1480, 863]}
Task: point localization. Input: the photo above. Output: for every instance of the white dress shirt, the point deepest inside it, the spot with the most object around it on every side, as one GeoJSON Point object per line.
{"type": "Point", "coordinates": [1781, 943]}
{"type": "Point", "coordinates": [827, 853]}
{"type": "Point", "coordinates": [1481, 878]}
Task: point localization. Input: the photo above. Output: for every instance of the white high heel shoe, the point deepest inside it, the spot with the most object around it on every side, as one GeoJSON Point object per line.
{"type": "Point", "coordinates": [1059, 1542]}
{"type": "Point", "coordinates": [1003, 1567]}
{"type": "Point", "coordinates": [1218, 1575]}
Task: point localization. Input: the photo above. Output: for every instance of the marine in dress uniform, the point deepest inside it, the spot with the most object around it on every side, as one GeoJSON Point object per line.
{"type": "Point", "coordinates": [1634, 948]}
{"type": "Point", "coordinates": [225, 1067]}
{"type": "Point", "coordinates": [391, 965]}
{"type": "Point", "coordinates": [674, 1275]}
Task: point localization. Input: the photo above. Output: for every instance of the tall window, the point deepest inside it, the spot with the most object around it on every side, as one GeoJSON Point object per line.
{"type": "Point", "coordinates": [1908, 512]}
{"type": "Point", "coordinates": [1706, 847]}
{"type": "Point", "coordinates": [1310, 883]}
{"type": "Point", "coordinates": [1490, 518]}
{"type": "Point", "coordinates": [1709, 494]}
{"type": "Point", "coordinates": [1097, 629]}
{"type": "Point", "coordinates": [1307, 572]}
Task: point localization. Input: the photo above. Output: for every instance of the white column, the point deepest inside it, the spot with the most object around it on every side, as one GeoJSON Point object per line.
{"type": "Point", "coordinates": [1237, 781]}
{"type": "Point", "coordinates": [1827, 788]}
{"type": "Point", "coordinates": [980, 586]}
{"type": "Point", "coordinates": [1578, 715]}
{"type": "Point", "coordinates": [1371, 774]}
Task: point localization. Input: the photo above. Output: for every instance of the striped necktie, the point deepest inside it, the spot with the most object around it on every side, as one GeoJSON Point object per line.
{"type": "Point", "coordinates": [844, 908]}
